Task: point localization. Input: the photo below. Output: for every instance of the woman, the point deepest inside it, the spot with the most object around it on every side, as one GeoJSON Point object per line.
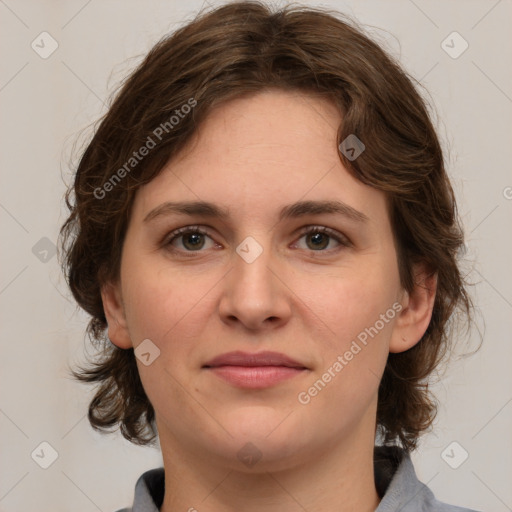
{"type": "Point", "coordinates": [263, 227]}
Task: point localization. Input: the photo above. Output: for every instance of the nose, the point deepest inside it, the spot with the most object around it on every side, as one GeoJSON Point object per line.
{"type": "Point", "coordinates": [255, 295]}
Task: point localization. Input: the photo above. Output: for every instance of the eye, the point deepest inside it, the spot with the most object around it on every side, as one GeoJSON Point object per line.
{"type": "Point", "coordinates": [318, 238]}
{"type": "Point", "coordinates": [192, 239]}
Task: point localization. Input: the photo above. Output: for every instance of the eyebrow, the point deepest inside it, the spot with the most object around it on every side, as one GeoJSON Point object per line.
{"type": "Point", "coordinates": [298, 209]}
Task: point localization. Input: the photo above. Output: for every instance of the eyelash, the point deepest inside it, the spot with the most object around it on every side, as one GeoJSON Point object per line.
{"type": "Point", "coordinates": [338, 237]}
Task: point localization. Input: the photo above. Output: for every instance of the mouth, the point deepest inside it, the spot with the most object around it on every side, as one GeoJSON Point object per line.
{"type": "Point", "coordinates": [254, 371]}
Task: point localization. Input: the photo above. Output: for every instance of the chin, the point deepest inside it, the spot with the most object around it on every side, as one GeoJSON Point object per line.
{"type": "Point", "coordinates": [263, 439]}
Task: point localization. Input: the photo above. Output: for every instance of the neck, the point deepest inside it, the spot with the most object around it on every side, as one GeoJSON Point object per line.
{"type": "Point", "coordinates": [341, 479]}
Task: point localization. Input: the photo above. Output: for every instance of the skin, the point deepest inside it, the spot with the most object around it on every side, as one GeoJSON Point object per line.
{"type": "Point", "coordinates": [254, 156]}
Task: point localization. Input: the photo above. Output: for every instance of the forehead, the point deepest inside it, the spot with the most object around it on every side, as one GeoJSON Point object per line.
{"type": "Point", "coordinates": [255, 154]}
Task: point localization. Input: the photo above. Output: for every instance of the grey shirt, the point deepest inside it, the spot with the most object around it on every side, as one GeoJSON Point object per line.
{"type": "Point", "coordinates": [395, 480]}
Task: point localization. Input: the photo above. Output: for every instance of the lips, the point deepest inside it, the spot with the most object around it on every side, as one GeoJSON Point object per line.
{"type": "Point", "coordinates": [251, 360]}
{"type": "Point", "coordinates": [254, 371]}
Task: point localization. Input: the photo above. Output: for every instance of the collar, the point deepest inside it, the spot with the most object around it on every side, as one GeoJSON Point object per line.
{"type": "Point", "coordinates": [395, 480]}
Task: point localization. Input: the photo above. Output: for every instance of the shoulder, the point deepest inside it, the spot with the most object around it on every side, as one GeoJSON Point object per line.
{"type": "Point", "coordinates": [395, 479]}
{"type": "Point", "coordinates": [149, 492]}
{"type": "Point", "coordinates": [401, 489]}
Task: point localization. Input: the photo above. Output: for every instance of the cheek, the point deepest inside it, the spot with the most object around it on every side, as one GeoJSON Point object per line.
{"type": "Point", "coordinates": [353, 354]}
{"type": "Point", "coordinates": [357, 308]}
{"type": "Point", "coordinates": [349, 302]}
{"type": "Point", "coordinates": [159, 302]}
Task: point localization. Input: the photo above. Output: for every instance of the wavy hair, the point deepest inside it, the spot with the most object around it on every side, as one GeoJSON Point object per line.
{"type": "Point", "coordinates": [237, 50]}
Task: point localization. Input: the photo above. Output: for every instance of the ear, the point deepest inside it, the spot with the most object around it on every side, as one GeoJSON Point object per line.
{"type": "Point", "coordinates": [417, 306]}
{"type": "Point", "coordinates": [114, 312]}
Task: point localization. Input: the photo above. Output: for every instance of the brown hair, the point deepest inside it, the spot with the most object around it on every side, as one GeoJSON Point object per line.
{"type": "Point", "coordinates": [239, 49]}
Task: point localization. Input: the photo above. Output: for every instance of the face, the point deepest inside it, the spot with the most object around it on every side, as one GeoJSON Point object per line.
{"type": "Point", "coordinates": [273, 322]}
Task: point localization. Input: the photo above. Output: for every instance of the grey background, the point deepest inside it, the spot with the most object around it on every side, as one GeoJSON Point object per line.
{"type": "Point", "coordinates": [47, 103]}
